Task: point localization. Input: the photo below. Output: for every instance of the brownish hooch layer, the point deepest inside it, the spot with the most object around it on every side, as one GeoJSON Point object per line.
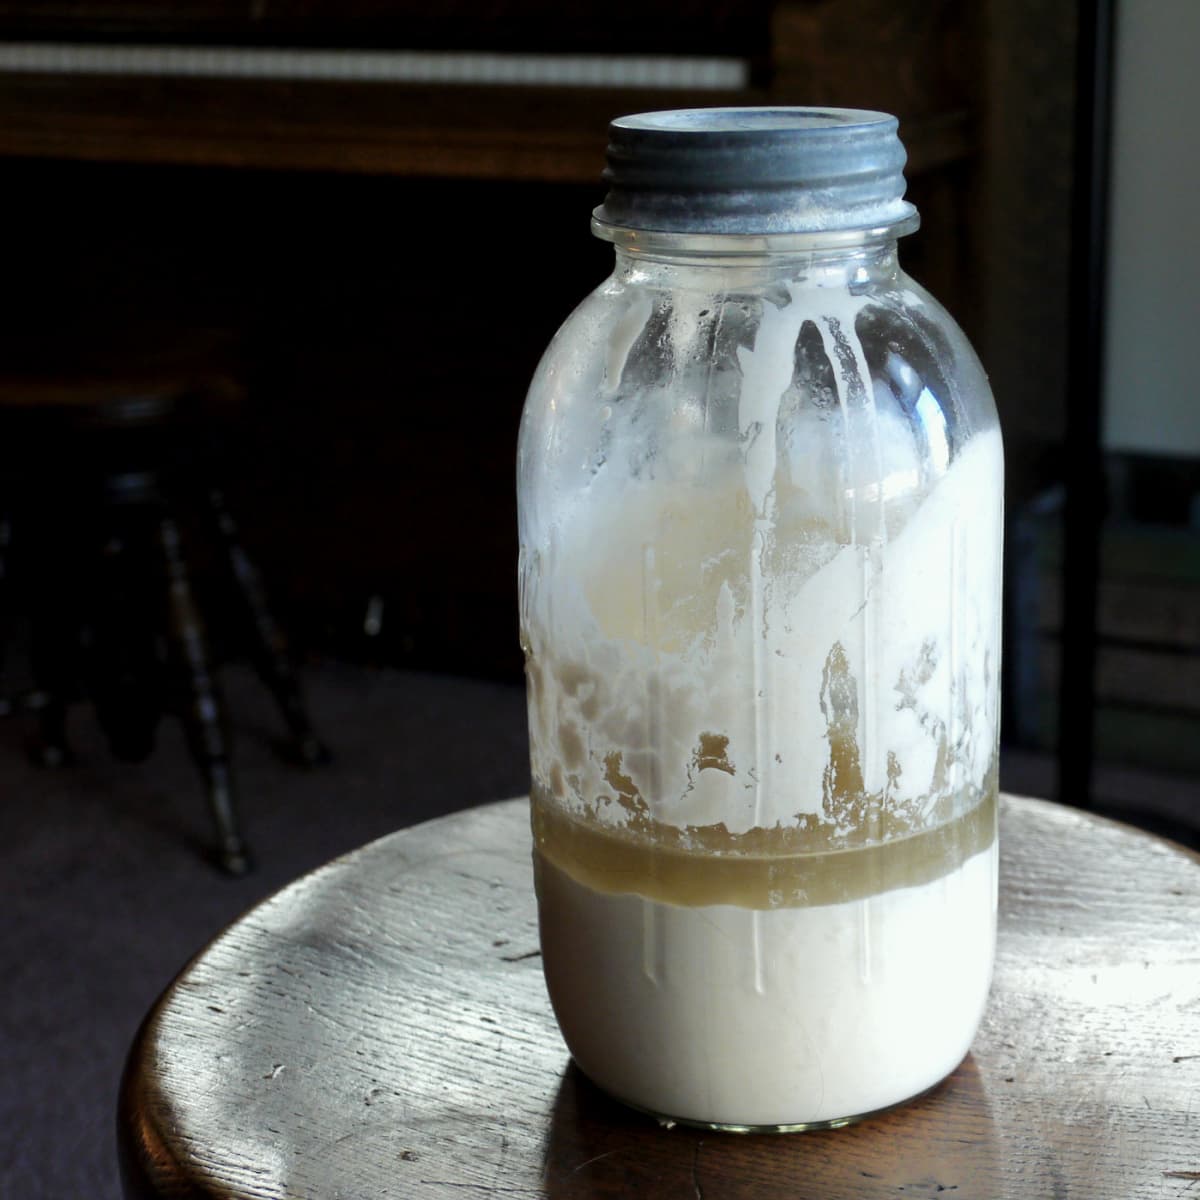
{"type": "Point", "coordinates": [762, 869]}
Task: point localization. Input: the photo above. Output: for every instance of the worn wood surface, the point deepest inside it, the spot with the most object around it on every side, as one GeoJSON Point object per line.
{"type": "Point", "coordinates": [461, 132]}
{"type": "Point", "coordinates": [380, 1029]}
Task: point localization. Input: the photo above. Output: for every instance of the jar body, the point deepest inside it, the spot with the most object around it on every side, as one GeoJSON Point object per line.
{"type": "Point", "coordinates": [760, 520]}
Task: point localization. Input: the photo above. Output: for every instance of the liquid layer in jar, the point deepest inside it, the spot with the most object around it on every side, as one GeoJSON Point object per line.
{"type": "Point", "coordinates": [762, 869]}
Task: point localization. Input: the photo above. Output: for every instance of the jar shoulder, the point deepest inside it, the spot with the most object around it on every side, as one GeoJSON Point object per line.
{"type": "Point", "coordinates": [667, 350]}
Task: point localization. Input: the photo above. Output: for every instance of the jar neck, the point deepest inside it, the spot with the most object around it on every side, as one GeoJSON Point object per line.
{"type": "Point", "coordinates": [838, 258]}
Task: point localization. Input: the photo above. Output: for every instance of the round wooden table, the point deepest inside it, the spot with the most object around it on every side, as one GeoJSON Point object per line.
{"type": "Point", "coordinates": [380, 1029]}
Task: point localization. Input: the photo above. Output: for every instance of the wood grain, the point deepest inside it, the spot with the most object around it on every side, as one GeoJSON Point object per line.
{"type": "Point", "coordinates": [411, 130]}
{"type": "Point", "coordinates": [380, 1029]}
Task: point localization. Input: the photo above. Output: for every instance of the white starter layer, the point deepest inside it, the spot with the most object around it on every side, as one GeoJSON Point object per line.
{"type": "Point", "coordinates": [791, 1016]}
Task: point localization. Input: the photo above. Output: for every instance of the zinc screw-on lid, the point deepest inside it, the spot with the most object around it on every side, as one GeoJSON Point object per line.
{"type": "Point", "coordinates": [755, 170]}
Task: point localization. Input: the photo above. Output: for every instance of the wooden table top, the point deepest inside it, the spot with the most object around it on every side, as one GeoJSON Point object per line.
{"type": "Point", "coordinates": [380, 1029]}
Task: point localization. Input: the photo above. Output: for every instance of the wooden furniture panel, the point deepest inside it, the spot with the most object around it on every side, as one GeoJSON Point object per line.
{"type": "Point", "coordinates": [330, 223]}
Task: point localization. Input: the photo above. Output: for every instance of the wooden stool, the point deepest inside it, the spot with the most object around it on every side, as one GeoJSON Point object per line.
{"type": "Point", "coordinates": [380, 1029]}
{"type": "Point", "coordinates": [101, 474]}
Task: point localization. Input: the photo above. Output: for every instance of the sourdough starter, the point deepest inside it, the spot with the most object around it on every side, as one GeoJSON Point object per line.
{"type": "Point", "coordinates": [763, 731]}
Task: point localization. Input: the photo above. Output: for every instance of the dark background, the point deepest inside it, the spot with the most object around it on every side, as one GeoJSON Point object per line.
{"type": "Point", "coordinates": [385, 306]}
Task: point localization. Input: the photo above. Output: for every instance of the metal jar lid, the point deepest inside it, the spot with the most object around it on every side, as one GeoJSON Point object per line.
{"type": "Point", "coordinates": [755, 170]}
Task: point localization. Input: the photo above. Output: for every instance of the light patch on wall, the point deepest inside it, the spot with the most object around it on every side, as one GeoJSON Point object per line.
{"type": "Point", "coordinates": [1151, 383]}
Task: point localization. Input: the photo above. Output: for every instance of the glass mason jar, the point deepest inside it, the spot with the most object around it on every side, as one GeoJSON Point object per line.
{"type": "Point", "coordinates": [760, 492]}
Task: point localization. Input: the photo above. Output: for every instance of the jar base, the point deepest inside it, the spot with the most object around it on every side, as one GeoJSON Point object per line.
{"type": "Point", "coordinates": [669, 1122]}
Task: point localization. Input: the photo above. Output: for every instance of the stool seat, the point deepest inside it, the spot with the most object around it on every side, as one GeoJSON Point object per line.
{"type": "Point", "coordinates": [380, 1028]}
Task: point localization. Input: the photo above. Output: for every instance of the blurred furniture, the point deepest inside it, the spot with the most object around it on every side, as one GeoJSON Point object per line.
{"type": "Point", "coordinates": [221, 170]}
{"type": "Point", "coordinates": [109, 482]}
{"type": "Point", "coordinates": [380, 1028]}
{"type": "Point", "coordinates": [1146, 690]}
{"type": "Point", "coordinates": [528, 97]}
{"type": "Point", "coordinates": [310, 156]}
{"type": "Point", "coordinates": [489, 119]}
{"type": "Point", "coordinates": [1083, 502]}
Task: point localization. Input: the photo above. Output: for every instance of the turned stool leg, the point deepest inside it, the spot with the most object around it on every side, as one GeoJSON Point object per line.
{"type": "Point", "coordinates": [270, 647]}
{"type": "Point", "coordinates": [7, 703]}
{"type": "Point", "coordinates": [205, 719]}
{"type": "Point", "coordinates": [53, 641]}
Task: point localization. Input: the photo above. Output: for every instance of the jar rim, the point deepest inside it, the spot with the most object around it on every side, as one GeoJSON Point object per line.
{"type": "Point", "coordinates": [634, 240]}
